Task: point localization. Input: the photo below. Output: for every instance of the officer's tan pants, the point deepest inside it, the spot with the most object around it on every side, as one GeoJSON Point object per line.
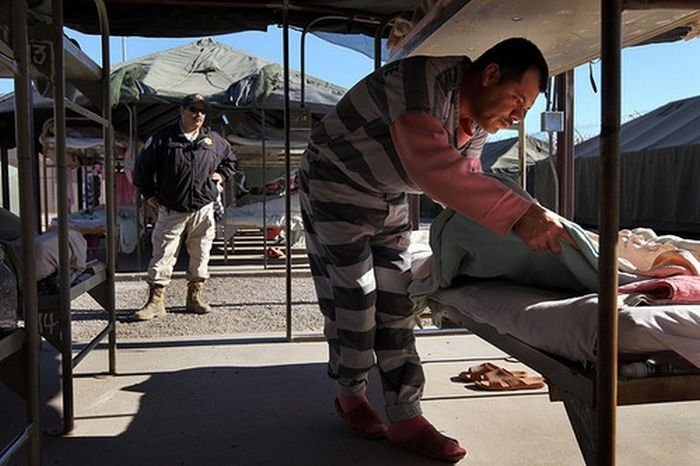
{"type": "Point", "coordinates": [199, 228]}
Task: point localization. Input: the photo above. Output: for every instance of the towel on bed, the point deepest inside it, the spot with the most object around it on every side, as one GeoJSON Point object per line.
{"type": "Point", "coordinates": [681, 289]}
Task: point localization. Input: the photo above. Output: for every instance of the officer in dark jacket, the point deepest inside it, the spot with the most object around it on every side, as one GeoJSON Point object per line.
{"type": "Point", "coordinates": [178, 172]}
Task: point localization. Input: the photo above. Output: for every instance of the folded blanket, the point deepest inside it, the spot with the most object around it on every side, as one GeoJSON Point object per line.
{"type": "Point", "coordinates": [654, 256]}
{"type": "Point", "coordinates": [681, 289]}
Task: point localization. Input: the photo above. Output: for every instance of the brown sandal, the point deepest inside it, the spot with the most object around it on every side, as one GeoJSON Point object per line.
{"type": "Point", "coordinates": [503, 379]}
{"type": "Point", "coordinates": [479, 372]}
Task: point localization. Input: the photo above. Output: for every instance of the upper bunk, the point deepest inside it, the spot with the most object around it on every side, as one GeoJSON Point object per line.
{"type": "Point", "coordinates": [568, 35]}
{"type": "Point", "coordinates": [81, 72]}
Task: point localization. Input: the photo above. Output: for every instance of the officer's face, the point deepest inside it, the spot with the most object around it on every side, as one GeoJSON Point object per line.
{"type": "Point", "coordinates": [193, 116]}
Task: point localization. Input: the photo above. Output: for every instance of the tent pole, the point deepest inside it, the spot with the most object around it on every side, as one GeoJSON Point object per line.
{"type": "Point", "coordinates": [308, 29]}
{"type": "Point", "coordinates": [287, 168]}
{"type": "Point", "coordinates": [522, 163]}
{"type": "Point", "coordinates": [5, 166]}
{"type": "Point", "coordinates": [264, 183]}
{"type": "Point", "coordinates": [609, 209]}
{"type": "Point", "coordinates": [378, 34]}
{"type": "Point", "coordinates": [565, 144]}
{"type": "Point", "coordinates": [62, 211]}
{"type": "Point", "coordinates": [110, 198]}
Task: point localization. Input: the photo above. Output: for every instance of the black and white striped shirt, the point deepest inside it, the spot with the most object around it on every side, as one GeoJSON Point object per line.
{"type": "Point", "coordinates": [356, 138]}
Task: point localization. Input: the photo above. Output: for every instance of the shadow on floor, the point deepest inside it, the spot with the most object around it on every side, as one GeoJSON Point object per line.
{"type": "Point", "coordinates": [216, 416]}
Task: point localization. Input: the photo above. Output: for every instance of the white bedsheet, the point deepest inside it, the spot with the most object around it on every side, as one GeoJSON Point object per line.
{"type": "Point", "coordinates": [250, 216]}
{"type": "Point", "coordinates": [567, 326]}
{"type": "Point", "coordinates": [126, 218]}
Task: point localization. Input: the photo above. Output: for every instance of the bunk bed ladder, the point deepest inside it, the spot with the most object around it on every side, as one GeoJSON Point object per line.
{"type": "Point", "coordinates": [101, 285]}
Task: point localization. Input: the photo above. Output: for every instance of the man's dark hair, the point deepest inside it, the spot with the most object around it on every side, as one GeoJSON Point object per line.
{"type": "Point", "coordinates": [514, 57]}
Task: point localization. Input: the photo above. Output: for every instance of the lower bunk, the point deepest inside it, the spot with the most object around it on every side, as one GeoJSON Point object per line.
{"type": "Point", "coordinates": [556, 335]}
{"type": "Point", "coordinates": [55, 311]}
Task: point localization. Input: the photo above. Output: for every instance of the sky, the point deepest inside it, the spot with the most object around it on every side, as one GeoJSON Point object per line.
{"type": "Point", "coordinates": [652, 75]}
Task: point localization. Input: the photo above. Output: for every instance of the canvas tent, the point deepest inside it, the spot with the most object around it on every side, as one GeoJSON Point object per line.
{"type": "Point", "coordinates": [659, 162]}
{"type": "Point", "coordinates": [503, 156]}
{"type": "Point", "coordinates": [246, 95]}
{"type": "Point", "coordinates": [228, 77]}
{"type": "Point", "coordinates": [232, 81]}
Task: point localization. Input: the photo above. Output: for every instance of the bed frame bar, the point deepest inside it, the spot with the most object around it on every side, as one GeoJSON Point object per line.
{"type": "Point", "coordinates": [574, 384]}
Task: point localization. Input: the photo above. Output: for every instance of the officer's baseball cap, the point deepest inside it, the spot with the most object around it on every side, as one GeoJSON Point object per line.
{"type": "Point", "coordinates": [194, 99]}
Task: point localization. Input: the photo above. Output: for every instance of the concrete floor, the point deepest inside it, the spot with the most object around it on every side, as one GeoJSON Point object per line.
{"type": "Point", "coordinates": [260, 401]}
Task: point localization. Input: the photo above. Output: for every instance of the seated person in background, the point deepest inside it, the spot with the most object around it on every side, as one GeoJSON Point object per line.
{"type": "Point", "coordinates": [10, 226]}
{"type": "Point", "coordinates": [45, 248]}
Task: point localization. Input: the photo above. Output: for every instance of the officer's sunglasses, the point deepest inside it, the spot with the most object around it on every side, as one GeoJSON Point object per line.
{"type": "Point", "coordinates": [196, 110]}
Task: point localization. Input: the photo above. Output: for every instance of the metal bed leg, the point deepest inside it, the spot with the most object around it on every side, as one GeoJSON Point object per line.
{"type": "Point", "coordinates": [582, 419]}
{"type": "Point", "coordinates": [225, 250]}
{"type": "Point", "coordinates": [67, 386]}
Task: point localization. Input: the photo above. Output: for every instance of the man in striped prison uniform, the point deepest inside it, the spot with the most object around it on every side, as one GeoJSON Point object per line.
{"type": "Point", "coordinates": [415, 125]}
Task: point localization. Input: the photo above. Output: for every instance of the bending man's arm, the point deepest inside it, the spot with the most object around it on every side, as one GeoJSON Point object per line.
{"type": "Point", "coordinates": [444, 174]}
{"type": "Point", "coordinates": [542, 230]}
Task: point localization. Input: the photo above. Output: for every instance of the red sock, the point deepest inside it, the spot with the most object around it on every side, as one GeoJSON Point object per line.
{"type": "Point", "coordinates": [349, 402]}
{"type": "Point", "coordinates": [413, 431]}
{"type": "Point", "coordinates": [401, 431]}
{"type": "Point", "coordinates": [366, 422]}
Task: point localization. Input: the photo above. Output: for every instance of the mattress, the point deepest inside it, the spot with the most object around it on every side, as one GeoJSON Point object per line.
{"type": "Point", "coordinates": [94, 222]}
{"type": "Point", "coordinates": [251, 215]}
{"type": "Point", "coordinates": [567, 325]}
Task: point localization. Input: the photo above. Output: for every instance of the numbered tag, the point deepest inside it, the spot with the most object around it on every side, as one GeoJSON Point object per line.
{"type": "Point", "coordinates": [41, 56]}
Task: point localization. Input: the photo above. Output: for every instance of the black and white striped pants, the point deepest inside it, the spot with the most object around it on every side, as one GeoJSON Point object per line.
{"type": "Point", "coordinates": [357, 244]}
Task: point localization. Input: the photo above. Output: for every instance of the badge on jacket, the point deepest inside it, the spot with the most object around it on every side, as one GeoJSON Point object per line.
{"type": "Point", "coordinates": [207, 141]}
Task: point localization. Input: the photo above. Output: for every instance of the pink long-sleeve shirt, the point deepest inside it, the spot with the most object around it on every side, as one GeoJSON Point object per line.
{"type": "Point", "coordinates": [448, 177]}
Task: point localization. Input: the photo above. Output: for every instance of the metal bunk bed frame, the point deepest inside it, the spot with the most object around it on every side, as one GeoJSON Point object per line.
{"type": "Point", "coordinates": [94, 81]}
{"type": "Point", "coordinates": [19, 352]}
{"type": "Point", "coordinates": [50, 55]}
{"type": "Point", "coordinates": [591, 396]}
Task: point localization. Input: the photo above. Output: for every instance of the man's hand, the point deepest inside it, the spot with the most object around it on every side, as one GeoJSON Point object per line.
{"type": "Point", "coordinates": [153, 202]}
{"type": "Point", "coordinates": [541, 230]}
{"type": "Point", "coordinates": [216, 176]}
